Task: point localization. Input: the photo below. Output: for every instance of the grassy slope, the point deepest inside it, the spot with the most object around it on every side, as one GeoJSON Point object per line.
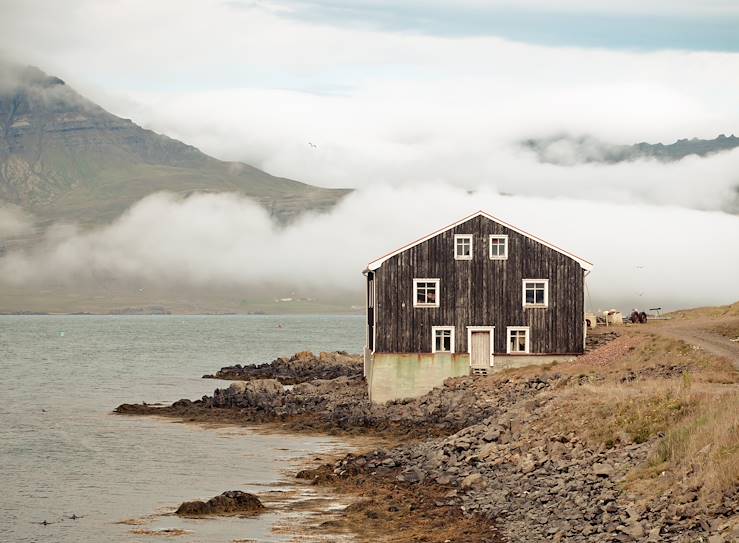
{"type": "Point", "coordinates": [731, 310]}
{"type": "Point", "coordinates": [643, 388]}
{"type": "Point", "coordinates": [117, 189]}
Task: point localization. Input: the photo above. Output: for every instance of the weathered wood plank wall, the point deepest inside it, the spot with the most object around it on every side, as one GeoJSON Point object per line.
{"type": "Point", "coordinates": [479, 292]}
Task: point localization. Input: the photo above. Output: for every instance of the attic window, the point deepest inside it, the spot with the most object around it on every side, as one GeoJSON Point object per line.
{"type": "Point", "coordinates": [426, 293]}
{"type": "Point", "coordinates": [443, 339]}
{"type": "Point", "coordinates": [536, 292]}
{"type": "Point", "coordinates": [498, 247]}
{"type": "Point", "coordinates": [463, 247]}
{"type": "Point", "coordinates": [518, 339]}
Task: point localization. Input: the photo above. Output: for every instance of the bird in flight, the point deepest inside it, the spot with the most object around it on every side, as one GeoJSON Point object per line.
{"type": "Point", "coordinates": [313, 145]}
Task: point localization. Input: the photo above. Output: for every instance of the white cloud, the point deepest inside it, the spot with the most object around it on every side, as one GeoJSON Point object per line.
{"type": "Point", "coordinates": [459, 135]}
{"type": "Point", "coordinates": [644, 256]}
{"type": "Point", "coordinates": [14, 222]}
{"type": "Point", "coordinates": [412, 120]}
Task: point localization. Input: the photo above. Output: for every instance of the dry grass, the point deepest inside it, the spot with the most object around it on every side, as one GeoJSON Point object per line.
{"type": "Point", "coordinates": [606, 415]}
{"type": "Point", "coordinates": [694, 428]}
{"type": "Point", "coordinates": [661, 352]}
{"type": "Point", "coordinates": [642, 353]}
{"type": "Point", "coordinates": [710, 312]}
{"type": "Point", "coordinates": [685, 401]}
{"type": "Point", "coordinates": [705, 445]}
{"type": "Point", "coordinates": [728, 329]}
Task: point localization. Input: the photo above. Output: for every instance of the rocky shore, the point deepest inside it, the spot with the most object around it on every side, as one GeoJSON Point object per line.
{"type": "Point", "coordinates": [341, 405]}
{"type": "Point", "coordinates": [299, 368]}
{"type": "Point", "coordinates": [574, 452]}
{"type": "Point", "coordinates": [535, 487]}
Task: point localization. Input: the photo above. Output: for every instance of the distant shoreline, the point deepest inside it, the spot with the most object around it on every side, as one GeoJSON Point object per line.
{"type": "Point", "coordinates": [22, 313]}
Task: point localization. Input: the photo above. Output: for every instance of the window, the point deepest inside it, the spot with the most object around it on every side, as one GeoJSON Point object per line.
{"type": "Point", "coordinates": [463, 247]}
{"type": "Point", "coordinates": [425, 293]}
{"type": "Point", "coordinates": [536, 292]}
{"type": "Point", "coordinates": [518, 339]}
{"type": "Point", "coordinates": [443, 339]}
{"type": "Point", "coordinates": [498, 247]}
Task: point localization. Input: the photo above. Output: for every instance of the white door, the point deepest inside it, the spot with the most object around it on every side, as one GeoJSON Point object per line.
{"type": "Point", "coordinates": [481, 352]}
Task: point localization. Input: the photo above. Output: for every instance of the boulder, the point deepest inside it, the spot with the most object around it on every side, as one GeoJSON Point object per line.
{"type": "Point", "coordinates": [602, 470]}
{"type": "Point", "coordinates": [411, 475]}
{"type": "Point", "coordinates": [264, 386]}
{"type": "Point", "coordinates": [230, 502]}
{"type": "Point", "coordinates": [473, 481]}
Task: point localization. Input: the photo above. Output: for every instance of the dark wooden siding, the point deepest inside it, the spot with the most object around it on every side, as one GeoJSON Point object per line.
{"type": "Point", "coordinates": [479, 292]}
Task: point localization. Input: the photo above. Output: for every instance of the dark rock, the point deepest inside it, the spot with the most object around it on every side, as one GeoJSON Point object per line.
{"type": "Point", "coordinates": [300, 368]}
{"type": "Point", "coordinates": [230, 502]}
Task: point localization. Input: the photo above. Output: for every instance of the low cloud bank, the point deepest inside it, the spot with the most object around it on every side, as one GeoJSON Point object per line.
{"type": "Point", "coordinates": [459, 135]}
{"type": "Point", "coordinates": [14, 222]}
{"type": "Point", "coordinates": [645, 256]}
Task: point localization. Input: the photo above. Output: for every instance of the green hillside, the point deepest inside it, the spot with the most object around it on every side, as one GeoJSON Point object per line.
{"type": "Point", "coordinates": [63, 157]}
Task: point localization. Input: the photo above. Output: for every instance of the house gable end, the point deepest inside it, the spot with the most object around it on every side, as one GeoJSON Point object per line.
{"type": "Point", "coordinates": [584, 264]}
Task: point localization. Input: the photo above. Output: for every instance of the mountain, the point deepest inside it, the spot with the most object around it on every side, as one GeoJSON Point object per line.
{"type": "Point", "coordinates": [568, 150]}
{"type": "Point", "coordinates": [64, 157]}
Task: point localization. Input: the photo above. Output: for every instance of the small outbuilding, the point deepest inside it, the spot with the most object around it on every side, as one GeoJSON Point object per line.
{"type": "Point", "coordinates": [477, 296]}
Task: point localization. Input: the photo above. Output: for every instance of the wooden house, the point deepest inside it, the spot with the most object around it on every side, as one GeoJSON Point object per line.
{"type": "Point", "coordinates": [477, 296]}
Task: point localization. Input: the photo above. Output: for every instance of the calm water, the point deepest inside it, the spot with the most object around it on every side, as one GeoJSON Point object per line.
{"type": "Point", "coordinates": [62, 452]}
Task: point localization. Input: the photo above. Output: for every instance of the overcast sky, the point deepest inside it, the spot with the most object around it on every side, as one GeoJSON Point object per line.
{"type": "Point", "coordinates": [394, 95]}
{"type": "Point", "coordinates": [392, 92]}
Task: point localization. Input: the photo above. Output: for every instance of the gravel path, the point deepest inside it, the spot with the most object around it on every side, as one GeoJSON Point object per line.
{"type": "Point", "coordinates": [695, 332]}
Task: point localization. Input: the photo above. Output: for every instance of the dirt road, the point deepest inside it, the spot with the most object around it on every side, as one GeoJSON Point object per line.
{"type": "Point", "coordinates": [698, 332]}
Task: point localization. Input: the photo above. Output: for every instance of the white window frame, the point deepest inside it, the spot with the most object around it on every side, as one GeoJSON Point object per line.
{"type": "Point", "coordinates": [426, 280]}
{"type": "Point", "coordinates": [546, 292]}
{"type": "Point", "coordinates": [435, 329]}
{"type": "Point", "coordinates": [471, 239]}
{"type": "Point", "coordinates": [526, 329]}
{"type": "Point", "coordinates": [491, 237]}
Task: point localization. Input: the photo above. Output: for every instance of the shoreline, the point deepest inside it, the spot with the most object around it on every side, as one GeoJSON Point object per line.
{"type": "Point", "coordinates": [291, 504]}
{"type": "Point", "coordinates": [534, 454]}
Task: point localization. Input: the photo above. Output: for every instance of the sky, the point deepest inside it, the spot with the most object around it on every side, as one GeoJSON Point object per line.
{"type": "Point", "coordinates": [422, 105]}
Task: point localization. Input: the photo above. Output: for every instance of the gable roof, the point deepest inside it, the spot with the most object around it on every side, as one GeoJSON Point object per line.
{"type": "Point", "coordinates": [378, 262]}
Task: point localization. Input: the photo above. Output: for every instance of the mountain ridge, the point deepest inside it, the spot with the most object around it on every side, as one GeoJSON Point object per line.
{"type": "Point", "coordinates": [566, 150]}
{"type": "Point", "coordinates": [64, 157]}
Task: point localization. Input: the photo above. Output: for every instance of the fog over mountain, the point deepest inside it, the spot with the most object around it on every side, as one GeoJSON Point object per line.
{"type": "Point", "coordinates": [87, 166]}
{"type": "Point", "coordinates": [228, 240]}
{"type": "Point", "coordinates": [424, 125]}
{"type": "Point", "coordinates": [568, 150]}
{"type": "Point", "coordinates": [63, 157]}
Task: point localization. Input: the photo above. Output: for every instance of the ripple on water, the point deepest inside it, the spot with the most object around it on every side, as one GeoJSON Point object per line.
{"type": "Point", "coordinates": [76, 458]}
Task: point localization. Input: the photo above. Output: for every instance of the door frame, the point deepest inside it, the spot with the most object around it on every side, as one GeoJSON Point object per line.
{"type": "Point", "coordinates": [490, 329]}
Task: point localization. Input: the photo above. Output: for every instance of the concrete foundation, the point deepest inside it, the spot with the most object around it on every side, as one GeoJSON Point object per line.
{"type": "Point", "coordinates": [394, 376]}
{"type": "Point", "coordinates": [397, 376]}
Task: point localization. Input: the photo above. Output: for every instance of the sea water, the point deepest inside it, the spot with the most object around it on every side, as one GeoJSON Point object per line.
{"type": "Point", "coordinates": [63, 453]}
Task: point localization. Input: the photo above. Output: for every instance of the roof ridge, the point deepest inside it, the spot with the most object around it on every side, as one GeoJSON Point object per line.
{"type": "Point", "coordinates": [585, 264]}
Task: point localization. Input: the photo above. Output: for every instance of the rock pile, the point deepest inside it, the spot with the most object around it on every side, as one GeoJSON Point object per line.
{"type": "Point", "coordinates": [539, 486]}
{"type": "Point", "coordinates": [299, 368]}
{"type": "Point", "coordinates": [594, 341]}
{"type": "Point", "coordinates": [342, 405]}
{"type": "Point", "coordinates": [229, 503]}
